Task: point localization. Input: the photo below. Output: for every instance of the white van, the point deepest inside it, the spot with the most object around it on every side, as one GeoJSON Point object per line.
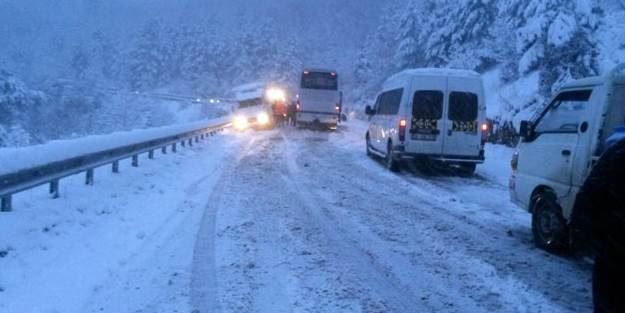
{"type": "Point", "coordinates": [429, 115]}
{"type": "Point", "coordinates": [559, 148]}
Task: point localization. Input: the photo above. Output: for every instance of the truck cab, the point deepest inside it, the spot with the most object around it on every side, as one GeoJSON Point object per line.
{"type": "Point", "coordinates": [251, 109]}
{"type": "Point", "coordinates": [559, 148]}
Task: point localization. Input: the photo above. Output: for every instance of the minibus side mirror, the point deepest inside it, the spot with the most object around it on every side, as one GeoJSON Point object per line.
{"type": "Point", "coordinates": [369, 111]}
{"type": "Point", "coordinates": [527, 130]}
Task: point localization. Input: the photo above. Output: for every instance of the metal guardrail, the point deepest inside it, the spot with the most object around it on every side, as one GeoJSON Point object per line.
{"type": "Point", "coordinates": [53, 172]}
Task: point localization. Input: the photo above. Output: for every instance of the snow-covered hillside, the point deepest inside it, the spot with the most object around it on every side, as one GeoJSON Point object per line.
{"type": "Point", "coordinates": [525, 48]}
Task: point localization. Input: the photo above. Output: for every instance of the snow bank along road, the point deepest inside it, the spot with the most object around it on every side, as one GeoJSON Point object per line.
{"type": "Point", "coordinates": [282, 221]}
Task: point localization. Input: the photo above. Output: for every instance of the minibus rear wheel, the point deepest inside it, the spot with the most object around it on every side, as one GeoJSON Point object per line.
{"type": "Point", "coordinates": [548, 225]}
{"type": "Point", "coordinates": [468, 169]}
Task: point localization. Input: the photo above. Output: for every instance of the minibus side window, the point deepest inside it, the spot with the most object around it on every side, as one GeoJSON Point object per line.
{"type": "Point", "coordinates": [564, 114]}
{"type": "Point", "coordinates": [390, 101]}
{"type": "Point", "coordinates": [376, 106]}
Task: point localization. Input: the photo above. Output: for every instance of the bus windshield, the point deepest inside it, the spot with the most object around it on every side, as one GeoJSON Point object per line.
{"type": "Point", "coordinates": [319, 80]}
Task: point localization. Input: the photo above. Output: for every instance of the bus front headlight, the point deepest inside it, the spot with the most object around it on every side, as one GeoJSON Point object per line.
{"type": "Point", "coordinates": [240, 122]}
{"type": "Point", "coordinates": [263, 118]}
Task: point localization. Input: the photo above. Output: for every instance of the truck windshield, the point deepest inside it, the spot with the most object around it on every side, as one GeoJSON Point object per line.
{"type": "Point", "coordinates": [249, 103]}
{"type": "Point", "coordinates": [319, 81]}
{"type": "Point", "coordinates": [564, 114]}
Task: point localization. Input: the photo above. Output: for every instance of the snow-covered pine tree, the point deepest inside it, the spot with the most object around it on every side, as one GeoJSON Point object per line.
{"type": "Point", "coordinates": [555, 37]}
{"type": "Point", "coordinates": [80, 62]}
{"type": "Point", "coordinates": [148, 61]}
{"type": "Point", "coordinates": [458, 34]}
{"type": "Point", "coordinates": [410, 52]}
{"type": "Point", "coordinates": [107, 56]}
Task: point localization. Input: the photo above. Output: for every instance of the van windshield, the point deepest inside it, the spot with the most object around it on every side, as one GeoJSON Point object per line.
{"type": "Point", "coordinates": [564, 115]}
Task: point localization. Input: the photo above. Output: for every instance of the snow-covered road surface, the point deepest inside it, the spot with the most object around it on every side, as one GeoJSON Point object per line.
{"type": "Point", "coordinates": [286, 221]}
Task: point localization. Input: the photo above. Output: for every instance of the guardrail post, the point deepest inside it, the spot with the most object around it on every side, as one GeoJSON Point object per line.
{"type": "Point", "coordinates": [116, 167]}
{"type": "Point", "coordinates": [164, 149]}
{"type": "Point", "coordinates": [183, 144]}
{"type": "Point", "coordinates": [135, 161]}
{"type": "Point", "coordinates": [174, 149]}
{"type": "Point", "coordinates": [6, 204]}
{"type": "Point", "coordinates": [89, 177]}
{"type": "Point", "coordinates": [190, 142]}
{"type": "Point", "coordinates": [197, 139]}
{"type": "Point", "coordinates": [151, 154]}
{"type": "Point", "coordinates": [54, 189]}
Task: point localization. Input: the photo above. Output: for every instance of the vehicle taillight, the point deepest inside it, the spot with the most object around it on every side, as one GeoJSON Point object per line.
{"type": "Point", "coordinates": [306, 72]}
{"type": "Point", "coordinates": [402, 129]}
{"type": "Point", "coordinates": [485, 132]}
{"type": "Point", "coordinates": [333, 74]}
{"type": "Point", "coordinates": [514, 163]}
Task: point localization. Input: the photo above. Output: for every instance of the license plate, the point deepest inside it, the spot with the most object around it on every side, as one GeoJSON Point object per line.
{"type": "Point", "coordinates": [466, 127]}
{"type": "Point", "coordinates": [423, 137]}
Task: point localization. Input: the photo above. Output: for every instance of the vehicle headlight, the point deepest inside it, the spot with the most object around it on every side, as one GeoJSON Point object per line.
{"type": "Point", "coordinates": [263, 118]}
{"type": "Point", "coordinates": [240, 122]}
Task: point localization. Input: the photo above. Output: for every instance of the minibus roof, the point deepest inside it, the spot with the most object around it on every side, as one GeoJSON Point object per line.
{"type": "Point", "coordinates": [437, 72]}
{"type": "Point", "coordinates": [319, 70]}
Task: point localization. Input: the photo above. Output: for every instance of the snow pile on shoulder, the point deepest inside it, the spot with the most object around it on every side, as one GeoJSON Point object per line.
{"type": "Point", "coordinates": [123, 245]}
{"type": "Point", "coordinates": [16, 159]}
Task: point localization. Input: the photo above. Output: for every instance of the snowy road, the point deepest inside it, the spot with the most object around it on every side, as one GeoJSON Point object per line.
{"type": "Point", "coordinates": [303, 222]}
{"type": "Point", "coordinates": [282, 221]}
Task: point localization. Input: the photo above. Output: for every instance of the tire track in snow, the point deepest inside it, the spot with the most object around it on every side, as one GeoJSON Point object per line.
{"type": "Point", "coordinates": [357, 262]}
{"type": "Point", "coordinates": [204, 289]}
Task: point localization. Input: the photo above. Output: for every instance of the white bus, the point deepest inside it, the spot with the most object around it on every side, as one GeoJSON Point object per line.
{"type": "Point", "coordinates": [319, 99]}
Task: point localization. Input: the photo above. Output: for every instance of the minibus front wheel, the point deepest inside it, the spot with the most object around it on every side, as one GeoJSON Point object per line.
{"type": "Point", "coordinates": [548, 225]}
{"type": "Point", "coordinates": [391, 162]}
{"type": "Point", "coordinates": [368, 141]}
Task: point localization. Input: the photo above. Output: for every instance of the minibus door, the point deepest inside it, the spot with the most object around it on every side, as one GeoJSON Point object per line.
{"type": "Point", "coordinates": [426, 127]}
{"type": "Point", "coordinates": [462, 134]}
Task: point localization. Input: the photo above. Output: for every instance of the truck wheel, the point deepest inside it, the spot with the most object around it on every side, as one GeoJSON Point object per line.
{"type": "Point", "coordinates": [548, 225]}
{"type": "Point", "coordinates": [391, 163]}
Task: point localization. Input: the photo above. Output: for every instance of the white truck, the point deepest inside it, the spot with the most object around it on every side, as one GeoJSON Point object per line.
{"type": "Point", "coordinates": [559, 148]}
{"type": "Point", "coordinates": [252, 109]}
{"type": "Point", "coordinates": [318, 99]}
